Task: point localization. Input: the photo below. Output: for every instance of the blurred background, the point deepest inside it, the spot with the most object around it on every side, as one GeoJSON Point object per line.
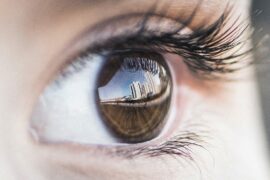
{"type": "Point", "coordinates": [261, 22]}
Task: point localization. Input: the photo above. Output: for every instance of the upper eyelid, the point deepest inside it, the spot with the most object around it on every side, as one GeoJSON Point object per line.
{"type": "Point", "coordinates": [135, 19]}
{"type": "Point", "coordinates": [109, 26]}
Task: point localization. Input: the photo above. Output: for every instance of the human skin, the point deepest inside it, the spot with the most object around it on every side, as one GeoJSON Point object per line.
{"type": "Point", "coordinates": [35, 33]}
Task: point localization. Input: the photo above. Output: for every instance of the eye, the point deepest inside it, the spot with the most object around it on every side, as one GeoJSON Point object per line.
{"type": "Point", "coordinates": [117, 97]}
{"type": "Point", "coordinates": [130, 87]}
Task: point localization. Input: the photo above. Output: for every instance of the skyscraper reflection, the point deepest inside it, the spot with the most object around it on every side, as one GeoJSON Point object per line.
{"type": "Point", "coordinates": [144, 90]}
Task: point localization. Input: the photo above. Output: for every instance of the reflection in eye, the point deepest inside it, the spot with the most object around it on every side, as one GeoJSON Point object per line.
{"type": "Point", "coordinates": [134, 95]}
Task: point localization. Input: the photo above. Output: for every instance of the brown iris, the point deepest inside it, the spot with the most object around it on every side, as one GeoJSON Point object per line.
{"type": "Point", "coordinates": [134, 93]}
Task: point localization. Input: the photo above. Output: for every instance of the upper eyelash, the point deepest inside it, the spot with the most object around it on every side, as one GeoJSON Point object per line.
{"type": "Point", "coordinates": [201, 49]}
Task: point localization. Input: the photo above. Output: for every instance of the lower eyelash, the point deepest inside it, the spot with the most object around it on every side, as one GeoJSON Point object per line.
{"type": "Point", "coordinates": [179, 145]}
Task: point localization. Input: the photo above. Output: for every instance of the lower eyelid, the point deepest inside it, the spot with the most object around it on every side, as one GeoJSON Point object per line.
{"type": "Point", "coordinates": [178, 150]}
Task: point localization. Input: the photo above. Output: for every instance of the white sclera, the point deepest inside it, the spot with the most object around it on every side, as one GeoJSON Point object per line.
{"type": "Point", "coordinates": [67, 112]}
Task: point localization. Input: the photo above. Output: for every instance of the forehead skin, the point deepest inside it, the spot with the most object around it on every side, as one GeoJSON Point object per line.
{"type": "Point", "coordinates": [33, 32]}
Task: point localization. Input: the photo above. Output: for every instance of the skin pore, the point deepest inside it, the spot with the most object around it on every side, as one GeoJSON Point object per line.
{"type": "Point", "coordinates": [37, 38]}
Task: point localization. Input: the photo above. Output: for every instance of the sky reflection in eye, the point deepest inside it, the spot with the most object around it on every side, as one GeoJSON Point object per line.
{"type": "Point", "coordinates": [122, 84]}
{"type": "Point", "coordinates": [134, 81]}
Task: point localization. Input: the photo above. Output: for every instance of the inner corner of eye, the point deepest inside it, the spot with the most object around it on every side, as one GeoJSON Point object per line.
{"type": "Point", "coordinates": [126, 101]}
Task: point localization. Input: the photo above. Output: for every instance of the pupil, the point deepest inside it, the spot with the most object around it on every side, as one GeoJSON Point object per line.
{"type": "Point", "coordinates": [133, 94]}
